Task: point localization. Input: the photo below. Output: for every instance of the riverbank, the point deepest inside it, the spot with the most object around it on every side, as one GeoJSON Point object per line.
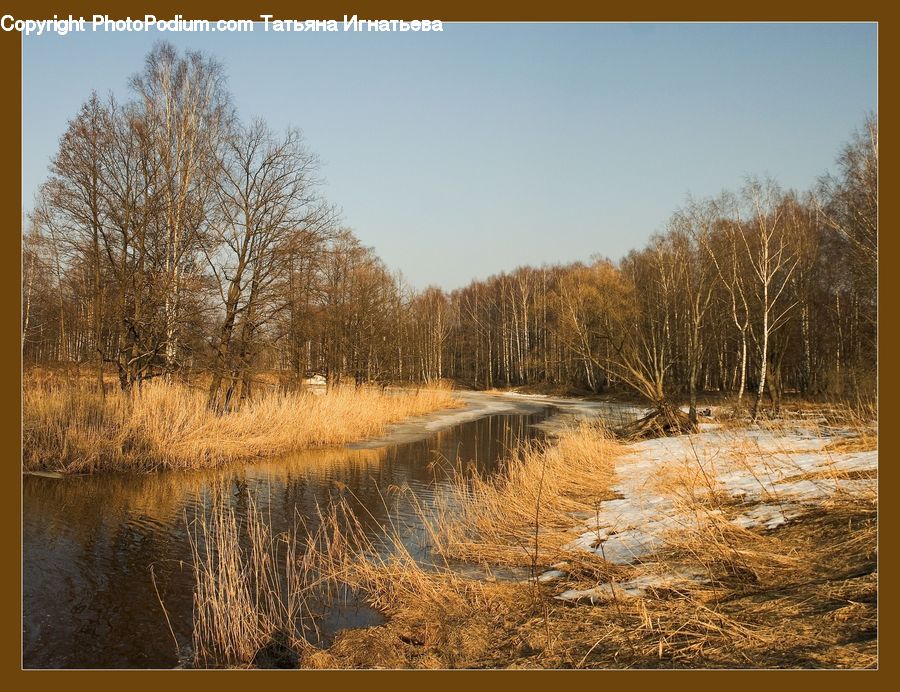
{"type": "Point", "coordinates": [737, 546]}
{"type": "Point", "coordinates": [71, 428]}
{"type": "Point", "coordinates": [741, 547]}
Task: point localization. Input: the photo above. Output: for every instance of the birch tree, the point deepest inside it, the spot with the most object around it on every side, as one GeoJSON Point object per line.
{"type": "Point", "coordinates": [772, 257]}
{"type": "Point", "coordinates": [186, 110]}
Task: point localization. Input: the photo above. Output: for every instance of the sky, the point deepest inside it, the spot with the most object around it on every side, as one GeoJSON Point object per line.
{"type": "Point", "coordinates": [464, 153]}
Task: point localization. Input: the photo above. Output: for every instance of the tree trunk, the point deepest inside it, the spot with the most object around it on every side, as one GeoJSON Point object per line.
{"type": "Point", "coordinates": [764, 355]}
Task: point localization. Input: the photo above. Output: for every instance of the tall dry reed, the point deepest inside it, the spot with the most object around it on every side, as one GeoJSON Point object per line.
{"type": "Point", "coordinates": [241, 603]}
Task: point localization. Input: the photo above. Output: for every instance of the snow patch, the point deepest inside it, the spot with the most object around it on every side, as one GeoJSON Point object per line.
{"type": "Point", "coordinates": [638, 587]}
{"type": "Point", "coordinates": [761, 468]}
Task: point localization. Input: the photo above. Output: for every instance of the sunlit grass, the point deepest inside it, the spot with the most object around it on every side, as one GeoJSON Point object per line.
{"type": "Point", "coordinates": [70, 428]}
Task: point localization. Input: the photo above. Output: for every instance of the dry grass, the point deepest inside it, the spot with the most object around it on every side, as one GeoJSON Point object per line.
{"type": "Point", "coordinates": [523, 515]}
{"type": "Point", "coordinates": [69, 427]}
{"type": "Point", "coordinates": [259, 596]}
{"type": "Point", "coordinates": [243, 603]}
{"type": "Point", "coordinates": [803, 595]}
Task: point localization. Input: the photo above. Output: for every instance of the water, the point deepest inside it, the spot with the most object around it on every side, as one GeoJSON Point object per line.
{"type": "Point", "coordinates": [92, 544]}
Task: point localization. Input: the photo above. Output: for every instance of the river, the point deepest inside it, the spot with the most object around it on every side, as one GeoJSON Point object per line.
{"type": "Point", "coordinates": [101, 551]}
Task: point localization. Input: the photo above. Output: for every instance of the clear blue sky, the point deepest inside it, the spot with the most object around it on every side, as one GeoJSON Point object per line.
{"type": "Point", "coordinates": [464, 153]}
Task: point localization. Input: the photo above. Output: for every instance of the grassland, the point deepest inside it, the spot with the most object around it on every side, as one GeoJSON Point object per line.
{"type": "Point", "coordinates": [70, 428]}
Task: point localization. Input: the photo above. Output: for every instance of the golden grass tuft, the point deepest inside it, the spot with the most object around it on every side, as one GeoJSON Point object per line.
{"type": "Point", "coordinates": [523, 514]}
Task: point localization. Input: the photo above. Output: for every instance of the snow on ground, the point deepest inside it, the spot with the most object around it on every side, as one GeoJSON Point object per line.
{"type": "Point", "coordinates": [773, 476]}
{"type": "Point", "coordinates": [776, 474]}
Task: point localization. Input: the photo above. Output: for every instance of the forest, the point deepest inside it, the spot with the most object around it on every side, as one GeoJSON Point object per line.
{"type": "Point", "coordinates": [174, 240]}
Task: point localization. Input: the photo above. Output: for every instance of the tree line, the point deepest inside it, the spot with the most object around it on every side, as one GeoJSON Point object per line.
{"type": "Point", "coordinates": [173, 239]}
{"type": "Point", "coordinates": [753, 293]}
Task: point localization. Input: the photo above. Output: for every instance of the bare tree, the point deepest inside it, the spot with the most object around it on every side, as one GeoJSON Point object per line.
{"type": "Point", "coordinates": [75, 197]}
{"type": "Point", "coordinates": [689, 231]}
{"type": "Point", "coordinates": [186, 111]}
{"type": "Point", "coordinates": [265, 192]}
{"type": "Point", "coordinates": [170, 238]}
{"type": "Point", "coordinates": [772, 256]}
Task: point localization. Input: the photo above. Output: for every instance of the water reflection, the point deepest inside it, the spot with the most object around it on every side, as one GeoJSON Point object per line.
{"type": "Point", "coordinates": [91, 542]}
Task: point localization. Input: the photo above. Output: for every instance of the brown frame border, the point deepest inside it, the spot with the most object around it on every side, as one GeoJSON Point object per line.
{"type": "Point", "coordinates": [462, 10]}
